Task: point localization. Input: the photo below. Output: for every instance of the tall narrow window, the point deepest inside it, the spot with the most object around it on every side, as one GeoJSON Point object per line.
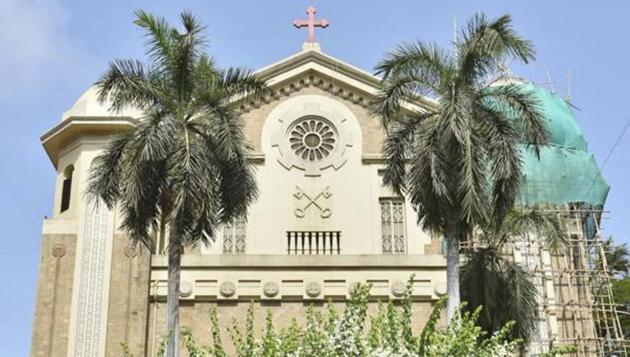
{"type": "Point", "coordinates": [393, 235]}
{"type": "Point", "coordinates": [66, 188]}
{"type": "Point", "coordinates": [234, 237]}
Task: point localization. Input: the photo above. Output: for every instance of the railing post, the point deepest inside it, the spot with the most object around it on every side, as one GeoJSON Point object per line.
{"type": "Point", "coordinates": [319, 242]}
{"type": "Point", "coordinates": [289, 242]}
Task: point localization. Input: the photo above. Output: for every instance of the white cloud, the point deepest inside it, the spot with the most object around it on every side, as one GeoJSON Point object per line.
{"type": "Point", "coordinates": [34, 44]}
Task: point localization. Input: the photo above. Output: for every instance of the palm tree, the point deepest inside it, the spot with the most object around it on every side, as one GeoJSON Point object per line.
{"type": "Point", "coordinates": [183, 167]}
{"type": "Point", "coordinates": [616, 258]}
{"type": "Point", "coordinates": [504, 288]}
{"type": "Point", "coordinates": [458, 162]}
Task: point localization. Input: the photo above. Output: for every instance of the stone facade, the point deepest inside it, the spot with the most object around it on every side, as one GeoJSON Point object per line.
{"type": "Point", "coordinates": [54, 295]}
{"type": "Point", "coordinates": [323, 222]}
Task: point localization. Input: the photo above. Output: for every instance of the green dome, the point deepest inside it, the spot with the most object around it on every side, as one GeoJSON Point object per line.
{"type": "Point", "coordinates": [563, 129]}
{"type": "Point", "coordinates": [566, 172]}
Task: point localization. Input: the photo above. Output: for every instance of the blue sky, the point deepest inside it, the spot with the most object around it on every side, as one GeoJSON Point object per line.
{"type": "Point", "coordinates": [52, 51]}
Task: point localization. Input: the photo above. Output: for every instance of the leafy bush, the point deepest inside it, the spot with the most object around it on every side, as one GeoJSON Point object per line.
{"type": "Point", "coordinates": [346, 335]}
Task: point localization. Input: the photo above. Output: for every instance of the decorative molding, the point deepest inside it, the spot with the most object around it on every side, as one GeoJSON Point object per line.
{"type": "Point", "coordinates": [58, 250]}
{"type": "Point", "coordinates": [398, 288]}
{"type": "Point", "coordinates": [92, 289]}
{"type": "Point", "coordinates": [312, 139]}
{"type": "Point", "coordinates": [439, 288]}
{"type": "Point", "coordinates": [325, 83]}
{"type": "Point", "coordinates": [271, 289]}
{"type": "Point", "coordinates": [295, 116]}
{"type": "Point", "coordinates": [185, 289]}
{"type": "Point", "coordinates": [227, 289]}
{"type": "Point", "coordinates": [312, 202]}
{"type": "Point", "coordinates": [373, 159]}
{"type": "Point", "coordinates": [132, 251]}
{"type": "Point", "coordinates": [313, 289]}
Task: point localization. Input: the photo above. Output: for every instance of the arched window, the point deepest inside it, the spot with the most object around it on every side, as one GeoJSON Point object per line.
{"type": "Point", "coordinates": [66, 188]}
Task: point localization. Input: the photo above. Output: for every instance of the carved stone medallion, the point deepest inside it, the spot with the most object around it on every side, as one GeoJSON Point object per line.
{"type": "Point", "coordinates": [227, 289]}
{"type": "Point", "coordinates": [398, 288]}
{"type": "Point", "coordinates": [131, 251]}
{"type": "Point", "coordinates": [312, 134]}
{"type": "Point", "coordinates": [271, 289]}
{"type": "Point", "coordinates": [439, 288]}
{"type": "Point", "coordinates": [58, 250]}
{"type": "Point", "coordinates": [313, 289]}
{"type": "Point", "coordinates": [185, 289]}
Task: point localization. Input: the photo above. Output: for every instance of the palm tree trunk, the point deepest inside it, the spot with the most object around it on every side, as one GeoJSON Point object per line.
{"type": "Point", "coordinates": [172, 299]}
{"type": "Point", "coordinates": [453, 234]}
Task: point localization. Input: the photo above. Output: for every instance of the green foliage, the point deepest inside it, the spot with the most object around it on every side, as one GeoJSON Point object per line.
{"type": "Point", "coordinates": [617, 258]}
{"type": "Point", "coordinates": [191, 345]}
{"type": "Point", "coordinates": [458, 161]}
{"type": "Point", "coordinates": [184, 162]}
{"type": "Point", "coordinates": [504, 288]}
{"type": "Point", "coordinates": [290, 339]}
{"type": "Point", "coordinates": [621, 293]}
{"type": "Point", "coordinates": [244, 342]}
{"type": "Point", "coordinates": [559, 351]}
{"type": "Point", "coordinates": [346, 335]}
{"type": "Point", "coordinates": [125, 350]}
{"type": "Point", "coordinates": [315, 334]}
{"type": "Point", "coordinates": [217, 346]}
{"type": "Point", "coordinates": [270, 345]}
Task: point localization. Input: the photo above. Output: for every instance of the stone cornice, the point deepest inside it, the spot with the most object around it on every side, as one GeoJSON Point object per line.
{"type": "Point", "coordinates": [310, 262]}
{"type": "Point", "coordinates": [68, 130]}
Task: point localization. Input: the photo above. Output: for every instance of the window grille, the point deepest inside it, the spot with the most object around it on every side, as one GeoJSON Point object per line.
{"type": "Point", "coordinates": [394, 239]}
{"type": "Point", "coordinates": [234, 237]}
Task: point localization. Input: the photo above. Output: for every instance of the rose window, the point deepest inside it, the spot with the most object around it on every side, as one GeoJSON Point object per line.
{"type": "Point", "coordinates": [312, 139]}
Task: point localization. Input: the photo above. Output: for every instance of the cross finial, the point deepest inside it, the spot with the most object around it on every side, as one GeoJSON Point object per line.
{"type": "Point", "coordinates": [311, 23]}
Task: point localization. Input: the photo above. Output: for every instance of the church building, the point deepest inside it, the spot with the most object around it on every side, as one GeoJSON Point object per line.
{"type": "Point", "coordinates": [323, 221]}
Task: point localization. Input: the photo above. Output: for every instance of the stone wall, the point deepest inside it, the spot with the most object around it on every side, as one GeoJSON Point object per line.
{"type": "Point", "coordinates": [128, 298]}
{"type": "Point", "coordinates": [195, 315]}
{"type": "Point", "coordinates": [54, 295]}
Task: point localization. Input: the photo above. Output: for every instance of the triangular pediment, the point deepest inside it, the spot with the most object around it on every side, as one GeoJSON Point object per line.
{"type": "Point", "coordinates": [311, 67]}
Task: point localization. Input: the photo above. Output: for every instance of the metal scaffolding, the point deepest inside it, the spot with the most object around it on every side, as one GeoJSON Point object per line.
{"type": "Point", "coordinates": [576, 305]}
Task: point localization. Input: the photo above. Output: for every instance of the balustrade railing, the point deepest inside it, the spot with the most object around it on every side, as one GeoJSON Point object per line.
{"type": "Point", "coordinates": [314, 242]}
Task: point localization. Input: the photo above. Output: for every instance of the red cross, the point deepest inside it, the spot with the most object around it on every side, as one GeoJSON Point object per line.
{"type": "Point", "coordinates": [311, 23]}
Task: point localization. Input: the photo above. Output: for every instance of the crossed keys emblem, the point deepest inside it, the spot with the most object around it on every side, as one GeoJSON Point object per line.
{"type": "Point", "coordinates": [323, 212]}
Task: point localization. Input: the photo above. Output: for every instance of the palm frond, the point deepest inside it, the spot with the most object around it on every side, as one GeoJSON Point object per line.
{"type": "Point", "coordinates": [487, 44]}
{"type": "Point", "coordinates": [159, 41]}
{"type": "Point", "coordinates": [473, 179]}
{"type": "Point", "coordinates": [128, 83]}
{"type": "Point", "coordinates": [505, 291]}
{"type": "Point", "coordinates": [521, 106]}
{"type": "Point", "coordinates": [397, 148]}
{"type": "Point", "coordinates": [413, 69]}
{"type": "Point", "coordinates": [505, 158]}
{"type": "Point", "coordinates": [428, 177]}
{"type": "Point", "coordinates": [537, 222]}
{"type": "Point", "coordinates": [188, 48]}
{"type": "Point", "coordinates": [106, 171]}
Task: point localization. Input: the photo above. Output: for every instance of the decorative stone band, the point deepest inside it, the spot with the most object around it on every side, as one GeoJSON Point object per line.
{"type": "Point", "coordinates": [327, 84]}
{"type": "Point", "coordinates": [302, 277]}
{"type": "Point", "coordinates": [91, 311]}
